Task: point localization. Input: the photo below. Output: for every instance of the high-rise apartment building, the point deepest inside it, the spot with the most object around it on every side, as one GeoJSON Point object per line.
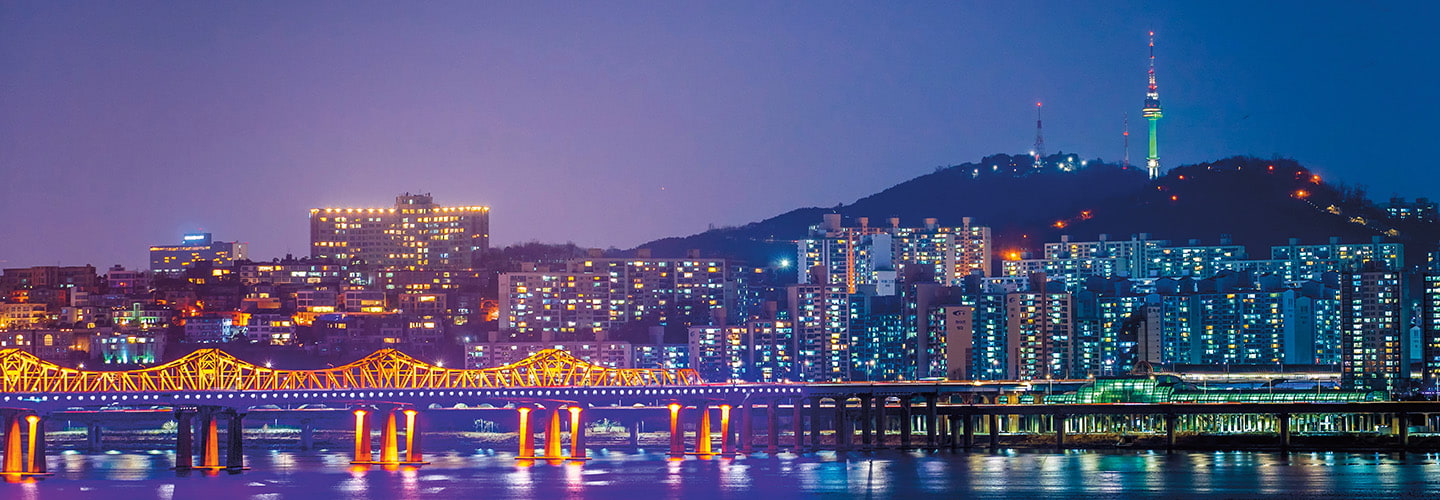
{"type": "Point", "coordinates": [719, 353]}
{"type": "Point", "coordinates": [1372, 352]}
{"type": "Point", "coordinates": [876, 255]}
{"type": "Point", "coordinates": [1430, 326]}
{"type": "Point", "coordinates": [1131, 258]}
{"type": "Point", "coordinates": [1039, 338]}
{"type": "Point", "coordinates": [415, 234]}
{"type": "Point", "coordinates": [1311, 261]}
{"type": "Point", "coordinates": [821, 315]}
{"type": "Point", "coordinates": [593, 295]}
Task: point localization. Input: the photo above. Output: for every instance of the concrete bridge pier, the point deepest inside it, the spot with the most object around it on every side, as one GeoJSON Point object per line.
{"type": "Point", "coordinates": [209, 439]}
{"type": "Point", "coordinates": [772, 427]}
{"type": "Point", "coordinates": [1059, 419]}
{"type": "Point", "coordinates": [882, 421]}
{"type": "Point", "coordinates": [412, 437]}
{"type": "Point", "coordinates": [1284, 423]}
{"type": "Point", "coordinates": [307, 434]}
{"type": "Point", "coordinates": [184, 439]}
{"type": "Point", "coordinates": [812, 411]}
{"type": "Point", "coordinates": [867, 423]}
{"type": "Point", "coordinates": [363, 452]}
{"type": "Point", "coordinates": [36, 462]}
{"type": "Point", "coordinates": [235, 432]}
{"type": "Point", "coordinates": [389, 440]}
{"type": "Point", "coordinates": [13, 461]}
{"type": "Point", "coordinates": [727, 441]}
{"type": "Point", "coordinates": [747, 427]}
{"type": "Point", "coordinates": [94, 437]}
{"type": "Point", "coordinates": [932, 420]}
{"type": "Point", "coordinates": [952, 434]}
{"type": "Point", "coordinates": [1402, 423]}
{"type": "Point", "coordinates": [1170, 422]}
{"type": "Point", "coordinates": [994, 425]}
{"type": "Point", "coordinates": [553, 443]}
{"type": "Point", "coordinates": [526, 435]}
{"type": "Point", "coordinates": [797, 423]}
{"type": "Point", "coordinates": [967, 425]}
{"type": "Point", "coordinates": [24, 448]}
{"type": "Point", "coordinates": [677, 433]}
{"type": "Point", "coordinates": [907, 422]}
{"type": "Point", "coordinates": [703, 444]}
{"type": "Point", "coordinates": [842, 425]}
{"type": "Point", "coordinates": [577, 433]}
{"type": "Point", "coordinates": [635, 433]}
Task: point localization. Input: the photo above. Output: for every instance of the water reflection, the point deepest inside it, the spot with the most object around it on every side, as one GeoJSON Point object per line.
{"type": "Point", "coordinates": [1014, 474]}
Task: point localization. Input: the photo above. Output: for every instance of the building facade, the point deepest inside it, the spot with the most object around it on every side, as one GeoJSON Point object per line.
{"type": "Point", "coordinates": [416, 233]}
{"type": "Point", "coordinates": [196, 250]}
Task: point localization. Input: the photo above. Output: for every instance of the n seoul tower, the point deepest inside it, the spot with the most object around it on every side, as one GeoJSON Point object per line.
{"type": "Point", "coordinates": [1152, 113]}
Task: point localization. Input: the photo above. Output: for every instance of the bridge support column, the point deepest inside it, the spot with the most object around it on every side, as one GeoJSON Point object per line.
{"type": "Point", "coordinates": [577, 434]}
{"type": "Point", "coordinates": [1284, 419]}
{"type": "Point", "coordinates": [727, 440]}
{"type": "Point", "coordinates": [994, 424]}
{"type": "Point", "coordinates": [747, 427]}
{"type": "Point", "coordinates": [235, 450]}
{"type": "Point", "coordinates": [812, 414]}
{"type": "Point", "coordinates": [677, 433]}
{"type": "Point", "coordinates": [552, 433]}
{"type": "Point", "coordinates": [94, 437]}
{"type": "Point", "coordinates": [36, 464]}
{"type": "Point", "coordinates": [363, 453]}
{"type": "Point", "coordinates": [772, 427]}
{"type": "Point", "coordinates": [1402, 421]}
{"type": "Point", "coordinates": [527, 435]}
{"type": "Point", "coordinates": [13, 462]}
{"type": "Point", "coordinates": [1170, 422]}
{"type": "Point", "coordinates": [209, 440]}
{"type": "Point", "coordinates": [702, 431]}
{"type": "Point", "coordinates": [635, 433]}
{"type": "Point", "coordinates": [307, 434]}
{"type": "Point", "coordinates": [389, 440]}
{"type": "Point", "coordinates": [952, 436]}
{"type": "Point", "coordinates": [882, 421]}
{"type": "Point", "coordinates": [867, 422]}
{"type": "Point", "coordinates": [1059, 419]}
{"type": "Point", "coordinates": [184, 439]}
{"type": "Point", "coordinates": [797, 423]}
{"type": "Point", "coordinates": [842, 425]}
{"type": "Point", "coordinates": [907, 421]}
{"type": "Point", "coordinates": [967, 427]}
{"type": "Point", "coordinates": [412, 437]}
{"type": "Point", "coordinates": [932, 420]}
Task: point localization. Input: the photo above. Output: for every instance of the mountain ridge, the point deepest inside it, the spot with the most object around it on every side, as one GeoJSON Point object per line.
{"type": "Point", "coordinates": [1255, 202]}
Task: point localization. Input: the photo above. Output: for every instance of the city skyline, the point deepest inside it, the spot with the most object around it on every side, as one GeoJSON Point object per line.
{"type": "Point", "coordinates": [236, 121]}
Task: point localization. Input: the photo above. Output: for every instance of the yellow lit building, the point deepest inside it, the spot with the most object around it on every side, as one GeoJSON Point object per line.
{"type": "Point", "coordinates": [415, 234]}
{"type": "Point", "coordinates": [195, 249]}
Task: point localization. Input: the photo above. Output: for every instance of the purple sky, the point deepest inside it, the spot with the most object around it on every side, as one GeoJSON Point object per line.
{"type": "Point", "coordinates": [126, 124]}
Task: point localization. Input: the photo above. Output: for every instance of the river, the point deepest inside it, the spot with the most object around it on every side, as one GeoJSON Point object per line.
{"type": "Point", "coordinates": [632, 475]}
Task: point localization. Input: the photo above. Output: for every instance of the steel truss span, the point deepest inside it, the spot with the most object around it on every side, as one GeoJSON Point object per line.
{"type": "Point", "coordinates": [216, 370]}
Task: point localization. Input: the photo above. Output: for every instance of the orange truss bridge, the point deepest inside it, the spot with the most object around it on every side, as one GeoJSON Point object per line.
{"type": "Point", "coordinates": [215, 370]}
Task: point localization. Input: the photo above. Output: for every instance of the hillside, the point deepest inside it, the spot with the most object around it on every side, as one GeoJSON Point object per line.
{"type": "Point", "coordinates": [1257, 202]}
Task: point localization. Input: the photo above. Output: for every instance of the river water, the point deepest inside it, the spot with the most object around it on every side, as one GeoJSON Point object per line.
{"type": "Point", "coordinates": [632, 475]}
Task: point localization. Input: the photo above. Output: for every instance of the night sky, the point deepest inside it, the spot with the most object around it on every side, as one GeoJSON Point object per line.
{"type": "Point", "coordinates": [127, 124]}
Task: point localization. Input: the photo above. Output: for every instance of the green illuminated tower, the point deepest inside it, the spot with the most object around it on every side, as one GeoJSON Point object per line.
{"type": "Point", "coordinates": [1152, 113]}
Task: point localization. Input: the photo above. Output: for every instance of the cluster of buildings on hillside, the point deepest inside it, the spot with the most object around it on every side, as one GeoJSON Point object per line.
{"type": "Point", "coordinates": [893, 302]}
{"type": "Point", "coordinates": [860, 302]}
